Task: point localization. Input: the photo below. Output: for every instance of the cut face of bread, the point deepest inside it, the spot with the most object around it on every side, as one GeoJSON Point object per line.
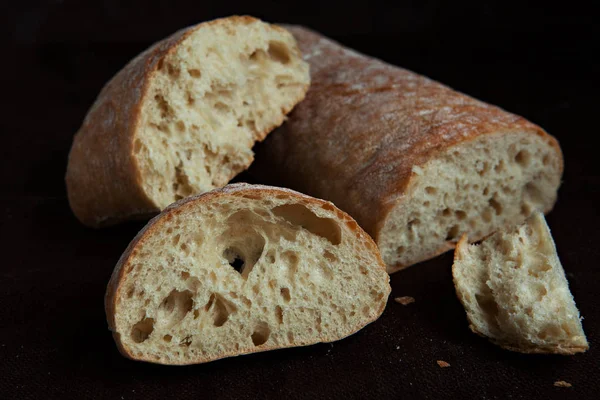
{"type": "Point", "coordinates": [243, 269]}
{"type": "Point", "coordinates": [221, 89]}
{"type": "Point", "coordinates": [515, 292]}
{"type": "Point", "coordinates": [182, 117]}
{"type": "Point", "coordinates": [476, 187]}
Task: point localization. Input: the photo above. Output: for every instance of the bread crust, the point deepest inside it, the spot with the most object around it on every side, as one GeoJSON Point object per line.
{"type": "Point", "coordinates": [118, 276]}
{"type": "Point", "coordinates": [364, 125]}
{"type": "Point", "coordinates": [104, 183]}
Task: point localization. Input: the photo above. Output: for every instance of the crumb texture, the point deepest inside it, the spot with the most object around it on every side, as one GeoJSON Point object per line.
{"type": "Point", "coordinates": [515, 291]}
{"type": "Point", "coordinates": [476, 188]}
{"type": "Point", "coordinates": [244, 271]}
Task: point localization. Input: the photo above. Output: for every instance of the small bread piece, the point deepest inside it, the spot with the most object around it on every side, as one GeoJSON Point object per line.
{"type": "Point", "coordinates": [416, 163]}
{"type": "Point", "coordinates": [243, 269]}
{"type": "Point", "coordinates": [514, 290]}
{"type": "Point", "coordinates": [182, 117]}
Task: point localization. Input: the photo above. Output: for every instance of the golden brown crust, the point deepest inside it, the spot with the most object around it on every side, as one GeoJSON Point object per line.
{"type": "Point", "coordinates": [103, 178]}
{"type": "Point", "coordinates": [118, 275]}
{"type": "Point", "coordinates": [364, 125]}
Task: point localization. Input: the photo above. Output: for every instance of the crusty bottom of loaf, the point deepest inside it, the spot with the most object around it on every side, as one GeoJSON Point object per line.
{"type": "Point", "coordinates": [515, 292]}
{"type": "Point", "coordinates": [478, 187]}
{"type": "Point", "coordinates": [239, 271]}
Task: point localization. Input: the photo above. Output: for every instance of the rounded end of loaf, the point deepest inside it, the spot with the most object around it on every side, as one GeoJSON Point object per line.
{"type": "Point", "coordinates": [243, 269]}
{"type": "Point", "coordinates": [474, 187]}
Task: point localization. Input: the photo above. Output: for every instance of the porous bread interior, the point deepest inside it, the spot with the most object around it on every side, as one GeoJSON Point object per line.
{"type": "Point", "coordinates": [515, 292]}
{"type": "Point", "coordinates": [475, 187]}
{"type": "Point", "coordinates": [224, 87]}
{"type": "Point", "coordinates": [241, 275]}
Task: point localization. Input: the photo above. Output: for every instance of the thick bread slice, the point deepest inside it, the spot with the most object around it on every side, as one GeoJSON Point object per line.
{"type": "Point", "coordinates": [182, 117]}
{"type": "Point", "coordinates": [416, 163]}
{"type": "Point", "coordinates": [515, 292]}
{"type": "Point", "coordinates": [240, 270]}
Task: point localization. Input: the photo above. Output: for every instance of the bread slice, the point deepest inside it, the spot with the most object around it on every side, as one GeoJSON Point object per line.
{"type": "Point", "coordinates": [515, 292]}
{"type": "Point", "coordinates": [416, 163]}
{"type": "Point", "coordinates": [243, 269]}
{"type": "Point", "coordinates": [182, 117]}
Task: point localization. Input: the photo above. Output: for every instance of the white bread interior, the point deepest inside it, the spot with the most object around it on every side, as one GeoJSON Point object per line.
{"type": "Point", "coordinates": [515, 292]}
{"type": "Point", "coordinates": [225, 86]}
{"type": "Point", "coordinates": [476, 187]}
{"type": "Point", "coordinates": [243, 269]}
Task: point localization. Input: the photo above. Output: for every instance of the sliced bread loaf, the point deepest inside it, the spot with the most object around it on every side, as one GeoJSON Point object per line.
{"type": "Point", "coordinates": [182, 117]}
{"type": "Point", "coordinates": [515, 292]}
{"type": "Point", "coordinates": [243, 269]}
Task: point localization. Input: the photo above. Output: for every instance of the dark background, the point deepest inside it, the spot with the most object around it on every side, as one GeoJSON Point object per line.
{"type": "Point", "coordinates": [537, 61]}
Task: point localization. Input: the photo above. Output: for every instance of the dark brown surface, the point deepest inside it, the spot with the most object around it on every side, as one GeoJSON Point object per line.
{"type": "Point", "coordinates": [54, 341]}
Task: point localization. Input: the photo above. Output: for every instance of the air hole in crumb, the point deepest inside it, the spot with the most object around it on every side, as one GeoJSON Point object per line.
{"type": "Point", "coordinates": [174, 307]}
{"type": "Point", "coordinates": [234, 259]}
{"type": "Point", "coordinates": [261, 334]}
{"type": "Point", "coordinates": [499, 167]}
{"type": "Point", "coordinates": [221, 309]}
{"type": "Point", "coordinates": [400, 250]}
{"type": "Point", "coordinates": [285, 293]}
{"type": "Point", "coordinates": [176, 239]}
{"type": "Point", "coordinates": [142, 330]}
{"type": "Point", "coordinates": [496, 206]}
{"type": "Point", "coordinates": [525, 209]}
{"type": "Point", "coordinates": [279, 314]}
{"type": "Point", "coordinates": [430, 190]}
{"type": "Point", "coordinates": [486, 191]}
{"type": "Point", "coordinates": [185, 275]}
{"type": "Point", "coordinates": [329, 256]}
{"type": "Point", "coordinates": [167, 338]}
{"type": "Point", "coordinates": [290, 337]}
{"type": "Point", "coordinates": [302, 216]}
{"type": "Point", "coordinates": [194, 73]}
{"type": "Point", "coordinates": [460, 215]}
{"type": "Point", "coordinates": [426, 204]}
{"type": "Point", "coordinates": [279, 52]}
{"type": "Point", "coordinates": [546, 160]}
{"type": "Point", "coordinates": [541, 291]}
{"type": "Point", "coordinates": [180, 126]}
{"type": "Point", "coordinates": [363, 270]}
{"type": "Point", "coordinates": [366, 310]}
{"type": "Point", "coordinates": [446, 212]}
{"type": "Point", "coordinates": [522, 158]}
{"type": "Point", "coordinates": [452, 233]}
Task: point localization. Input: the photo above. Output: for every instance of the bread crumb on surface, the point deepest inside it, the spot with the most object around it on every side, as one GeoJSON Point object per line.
{"type": "Point", "coordinates": [404, 300]}
{"type": "Point", "coordinates": [442, 364]}
{"type": "Point", "coordinates": [562, 384]}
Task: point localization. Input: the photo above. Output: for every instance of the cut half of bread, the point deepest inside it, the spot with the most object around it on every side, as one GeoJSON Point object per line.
{"type": "Point", "coordinates": [515, 292]}
{"type": "Point", "coordinates": [182, 117]}
{"type": "Point", "coordinates": [243, 269]}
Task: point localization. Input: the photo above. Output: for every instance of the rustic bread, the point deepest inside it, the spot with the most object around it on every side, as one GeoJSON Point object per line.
{"type": "Point", "coordinates": [182, 117]}
{"type": "Point", "coordinates": [243, 269]}
{"type": "Point", "coordinates": [414, 162]}
{"type": "Point", "coordinates": [515, 292]}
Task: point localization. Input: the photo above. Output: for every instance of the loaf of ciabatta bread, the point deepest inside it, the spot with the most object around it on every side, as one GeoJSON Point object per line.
{"type": "Point", "coordinates": [416, 163]}
{"type": "Point", "coordinates": [515, 291]}
{"type": "Point", "coordinates": [243, 269]}
{"type": "Point", "coordinates": [182, 117]}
